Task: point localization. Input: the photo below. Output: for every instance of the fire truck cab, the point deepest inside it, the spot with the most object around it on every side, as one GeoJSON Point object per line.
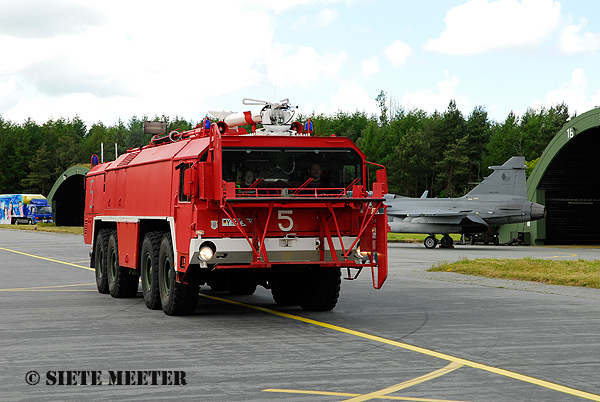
{"type": "Point", "coordinates": [233, 209]}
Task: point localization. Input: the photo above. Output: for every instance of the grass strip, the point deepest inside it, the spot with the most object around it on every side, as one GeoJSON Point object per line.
{"type": "Point", "coordinates": [43, 227]}
{"type": "Point", "coordinates": [564, 272]}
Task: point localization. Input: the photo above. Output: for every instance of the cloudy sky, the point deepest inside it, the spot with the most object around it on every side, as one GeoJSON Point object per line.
{"type": "Point", "coordinates": [110, 60]}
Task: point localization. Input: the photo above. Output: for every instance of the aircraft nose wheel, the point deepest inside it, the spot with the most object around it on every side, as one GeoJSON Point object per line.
{"type": "Point", "coordinates": [430, 242]}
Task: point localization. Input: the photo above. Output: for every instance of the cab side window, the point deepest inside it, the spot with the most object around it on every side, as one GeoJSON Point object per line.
{"type": "Point", "coordinates": [182, 168]}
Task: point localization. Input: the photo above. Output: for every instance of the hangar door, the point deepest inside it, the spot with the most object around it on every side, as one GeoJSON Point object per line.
{"type": "Point", "coordinates": [572, 192]}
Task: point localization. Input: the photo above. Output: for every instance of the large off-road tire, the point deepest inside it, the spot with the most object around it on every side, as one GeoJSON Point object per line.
{"type": "Point", "coordinates": [286, 289]}
{"type": "Point", "coordinates": [100, 262]}
{"type": "Point", "coordinates": [122, 281]}
{"type": "Point", "coordinates": [321, 290]}
{"type": "Point", "coordinates": [149, 269]}
{"type": "Point", "coordinates": [176, 298]}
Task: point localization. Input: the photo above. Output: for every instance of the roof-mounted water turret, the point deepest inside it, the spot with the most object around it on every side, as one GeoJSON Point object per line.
{"type": "Point", "coordinates": [276, 118]}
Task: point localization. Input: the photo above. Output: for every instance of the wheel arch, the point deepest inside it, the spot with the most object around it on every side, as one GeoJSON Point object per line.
{"type": "Point", "coordinates": [146, 225]}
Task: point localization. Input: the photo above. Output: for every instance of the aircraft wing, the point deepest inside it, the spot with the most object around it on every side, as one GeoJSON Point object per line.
{"type": "Point", "coordinates": [476, 218]}
{"type": "Point", "coordinates": [441, 217]}
{"type": "Point", "coordinates": [433, 212]}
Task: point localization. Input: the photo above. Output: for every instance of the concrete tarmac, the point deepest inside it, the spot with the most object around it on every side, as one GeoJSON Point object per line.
{"type": "Point", "coordinates": [422, 337]}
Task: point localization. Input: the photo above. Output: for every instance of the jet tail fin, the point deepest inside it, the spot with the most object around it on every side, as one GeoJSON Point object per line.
{"type": "Point", "coordinates": [508, 179]}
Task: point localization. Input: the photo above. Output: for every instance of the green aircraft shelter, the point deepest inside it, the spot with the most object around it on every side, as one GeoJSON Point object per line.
{"type": "Point", "coordinates": [67, 197]}
{"type": "Point", "coordinates": [566, 181]}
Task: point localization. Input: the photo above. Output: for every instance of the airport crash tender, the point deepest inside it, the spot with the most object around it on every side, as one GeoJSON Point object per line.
{"type": "Point", "coordinates": [233, 209]}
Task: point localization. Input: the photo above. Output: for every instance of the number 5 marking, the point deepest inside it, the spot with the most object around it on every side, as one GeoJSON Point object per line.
{"type": "Point", "coordinates": [283, 215]}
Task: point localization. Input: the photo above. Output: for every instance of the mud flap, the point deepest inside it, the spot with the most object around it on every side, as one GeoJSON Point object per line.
{"type": "Point", "coordinates": [374, 242]}
{"type": "Point", "coordinates": [380, 270]}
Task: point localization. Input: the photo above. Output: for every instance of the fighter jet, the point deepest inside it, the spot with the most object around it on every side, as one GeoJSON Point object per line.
{"type": "Point", "coordinates": [499, 199]}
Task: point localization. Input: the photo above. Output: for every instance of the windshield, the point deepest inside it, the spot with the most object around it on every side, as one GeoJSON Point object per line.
{"type": "Point", "coordinates": [292, 168]}
{"type": "Point", "coordinates": [44, 210]}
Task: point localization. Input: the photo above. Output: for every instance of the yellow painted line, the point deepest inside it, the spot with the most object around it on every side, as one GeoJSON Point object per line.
{"type": "Point", "coordinates": [559, 256]}
{"type": "Point", "coordinates": [56, 288]}
{"type": "Point", "coordinates": [464, 362]}
{"type": "Point", "coordinates": [327, 393]}
{"type": "Point", "coordinates": [383, 393]}
{"type": "Point", "coordinates": [46, 259]}
{"type": "Point", "coordinates": [430, 376]}
{"type": "Point", "coordinates": [48, 290]}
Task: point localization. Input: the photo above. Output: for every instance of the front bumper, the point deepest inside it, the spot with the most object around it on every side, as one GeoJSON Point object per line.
{"type": "Point", "coordinates": [290, 249]}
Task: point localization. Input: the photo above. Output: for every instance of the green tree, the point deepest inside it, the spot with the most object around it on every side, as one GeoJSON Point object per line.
{"type": "Point", "coordinates": [42, 173]}
{"type": "Point", "coordinates": [453, 167]}
{"type": "Point", "coordinates": [478, 130]}
{"type": "Point", "coordinates": [506, 140]}
{"type": "Point", "coordinates": [97, 135]}
{"type": "Point", "coordinates": [383, 109]}
{"type": "Point", "coordinates": [408, 165]}
{"type": "Point", "coordinates": [117, 134]}
{"type": "Point", "coordinates": [137, 138]}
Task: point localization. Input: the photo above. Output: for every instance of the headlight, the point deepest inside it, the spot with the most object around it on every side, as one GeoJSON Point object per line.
{"type": "Point", "coordinates": [206, 253]}
{"type": "Point", "coordinates": [361, 254]}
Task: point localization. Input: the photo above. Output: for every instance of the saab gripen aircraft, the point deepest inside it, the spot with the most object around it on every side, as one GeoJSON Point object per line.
{"type": "Point", "coordinates": [501, 198]}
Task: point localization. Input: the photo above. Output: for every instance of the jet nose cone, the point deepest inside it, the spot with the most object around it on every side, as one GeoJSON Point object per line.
{"type": "Point", "coordinates": [538, 211]}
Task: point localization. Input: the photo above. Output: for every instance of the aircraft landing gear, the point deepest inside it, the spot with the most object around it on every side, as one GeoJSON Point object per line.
{"type": "Point", "coordinates": [447, 242]}
{"type": "Point", "coordinates": [430, 242]}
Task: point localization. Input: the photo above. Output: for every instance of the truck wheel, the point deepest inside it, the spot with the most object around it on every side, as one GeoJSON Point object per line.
{"type": "Point", "coordinates": [286, 290]}
{"type": "Point", "coordinates": [100, 261]}
{"type": "Point", "coordinates": [149, 268]}
{"type": "Point", "coordinates": [122, 281]}
{"type": "Point", "coordinates": [176, 298]}
{"type": "Point", "coordinates": [322, 289]}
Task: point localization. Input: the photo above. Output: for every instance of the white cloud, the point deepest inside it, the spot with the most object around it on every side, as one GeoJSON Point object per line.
{"type": "Point", "coordinates": [480, 26]}
{"type": "Point", "coordinates": [370, 67]}
{"type": "Point", "coordinates": [327, 17]}
{"type": "Point", "coordinates": [398, 53]}
{"type": "Point", "coordinates": [431, 101]}
{"type": "Point", "coordinates": [152, 59]}
{"type": "Point", "coordinates": [578, 93]}
{"type": "Point", "coordinates": [350, 97]}
{"type": "Point", "coordinates": [303, 68]}
{"type": "Point", "coordinates": [136, 55]}
{"type": "Point", "coordinates": [573, 40]}
{"type": "Point", "coordinates": [43, 19]}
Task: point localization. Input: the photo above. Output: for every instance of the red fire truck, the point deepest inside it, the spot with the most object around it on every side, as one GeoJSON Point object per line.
{"type": "Point", "coordinates": [232, 209]}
